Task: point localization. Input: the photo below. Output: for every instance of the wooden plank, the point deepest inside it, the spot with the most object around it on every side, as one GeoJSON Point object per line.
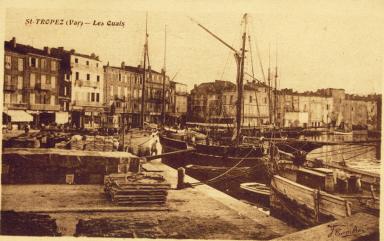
{"type": "Point", "coordinates": [300, 193]}
{"type": "Point", "coordinates": [360, 226]}
{"type": "Point", "coordinates": [328, 204]}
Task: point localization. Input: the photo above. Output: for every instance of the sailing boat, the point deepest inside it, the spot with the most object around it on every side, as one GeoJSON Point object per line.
{"type": "Point", "coordinates": [213, 154]}
{"type": "Point", "coordinates": [237, 152]}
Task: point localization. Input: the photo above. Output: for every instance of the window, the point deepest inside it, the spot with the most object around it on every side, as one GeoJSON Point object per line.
{"type": "Point", "coordinates": [265, 100]}
{"type": "Point", "coordinates": [77, 75]}
{"type": "Point", "coordinates": [65, 90]}
{"type": "Point", "coordinates": [250, 99]}
{"type": "Point", "coordinates": [76, 60]}
{"type": "Point", "coordinates": [119, 77]}
{"type": "Point", "coordinates": [8, 62]}
{"type": "Point", "coordinates": [44, 79]}
{"type": "Point", "coordinates": [52, 100]}
{"type": "Point", "coordinates": [231, 99]}
{"type": "Point", "coordinates": [97, 97]}
{"type": "Point", "coordinates": [20, 82]}
{"type": "Point", "coordinates": [43, 63]}
{"type": "Point", "coordinates": [98, 78]}
{"type": "Point", "coordinates": [87, 63]}
{"type": "Point", "coordinates": [53, 82]}
{"type": "Point", "coordinates": [32, 80]}
{"type": "Point", "coordinates": [92, 97]}
{"type": "Point", "coordinates": [33, 62]}
{"type": "Point", "coordinates": [118, 91]}
{"type": "Point", "coordinates": [97, 65]}
{"type": "Point", "coordinates": [7, 98]}
{"type": "Point", "coordinates": [88, 76]}
{"type": "Point", "coordinates": [8, 80]}
{"type": "Point", "coordinates": [53, 66]}
{"type": "Point", "coordinates": [20, 64]}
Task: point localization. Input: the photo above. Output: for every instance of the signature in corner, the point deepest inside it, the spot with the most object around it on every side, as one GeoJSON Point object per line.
{"type": "Point", "coordinates": [342, 230]}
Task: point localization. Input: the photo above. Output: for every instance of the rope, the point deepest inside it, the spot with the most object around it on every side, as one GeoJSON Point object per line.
{"type": "Point", "coordinates": [344, 152]}
{"type": "Point", "coordinates": [226, 172]}
{"type": "Point", "coordinates": [370, 149]}
{"type": "Point", "coordinates": [335, 150]}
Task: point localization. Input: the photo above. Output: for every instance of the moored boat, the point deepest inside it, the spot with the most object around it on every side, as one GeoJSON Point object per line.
{"type": "Point", "coordinates": [307, 196]}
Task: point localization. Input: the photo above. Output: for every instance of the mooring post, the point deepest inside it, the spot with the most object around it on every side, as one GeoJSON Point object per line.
{"type": "Point", "coordinates": [180, 178]}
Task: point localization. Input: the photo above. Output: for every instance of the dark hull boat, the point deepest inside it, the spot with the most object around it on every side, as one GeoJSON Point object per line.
{"type": "Point", "coordinates": [211, 155]}
{"type": "Point", "coordinates": [248, 155]}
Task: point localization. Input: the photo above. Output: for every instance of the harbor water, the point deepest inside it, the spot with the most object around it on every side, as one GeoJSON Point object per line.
{"type": "Point", "coordinates": [364, 157]}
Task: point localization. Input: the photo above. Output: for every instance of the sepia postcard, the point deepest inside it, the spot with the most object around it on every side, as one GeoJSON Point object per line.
{"type": "Point", "coordinates": [222, 120]}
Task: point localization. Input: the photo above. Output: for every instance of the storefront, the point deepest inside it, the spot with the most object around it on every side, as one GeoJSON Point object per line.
{"type": "Point", "coordinates": [16, 119]}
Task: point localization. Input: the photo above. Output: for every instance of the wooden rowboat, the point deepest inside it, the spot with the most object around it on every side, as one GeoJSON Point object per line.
{"type": "Point", "coordinates": [256, 188]}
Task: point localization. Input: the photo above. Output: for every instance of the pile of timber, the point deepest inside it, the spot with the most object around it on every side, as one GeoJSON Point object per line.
{"type": "Point", "coordinates": [27, 224]}
{"type": "Point", "coordinates": [136, 188]}
{"type": "Point", "coordinates": [121, 228]}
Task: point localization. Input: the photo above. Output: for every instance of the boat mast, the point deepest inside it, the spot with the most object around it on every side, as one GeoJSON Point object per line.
{"type": "Point", "coordinates": [239, 56]}
{"type": "Point", "coordinates": [269, 86]}
{"type": "Point", "coordinates": [164, 76]}
{"type": "Point", "coordinates": [240, 85]}
{"type": "Point", "coordinates": [275, 91]}
{"type": "Point", "coordinates": [144, 74]}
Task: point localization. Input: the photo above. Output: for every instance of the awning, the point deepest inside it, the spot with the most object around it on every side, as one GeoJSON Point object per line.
{"type": "Point", "coordinates": [61, 117]}
{"type": "Point", "coordinates": [19, 116]}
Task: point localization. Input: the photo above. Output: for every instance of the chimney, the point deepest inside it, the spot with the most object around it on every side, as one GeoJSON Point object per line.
{"type": "Point", "coordinates": [47, 50]}
{"type": "Point", "coordinates": [93, 55]}
{"type": "Point", "coordinates": [123, 65]}
{"type": "Point", "coordinates": [13, 41]}
{"type": "Point", "coordinates": [72, 51]}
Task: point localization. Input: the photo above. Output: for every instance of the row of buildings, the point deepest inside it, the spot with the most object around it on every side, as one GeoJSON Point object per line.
{"type": "Point", "coordinates": [215, 102]}
{"type": "Point", "coordinates": [54, 85]}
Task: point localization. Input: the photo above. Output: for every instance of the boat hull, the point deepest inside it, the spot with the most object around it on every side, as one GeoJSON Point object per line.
{"type": "Point", "coordinates": [206, 155]}
{"type": "Point", "coordinates": [304, 206]}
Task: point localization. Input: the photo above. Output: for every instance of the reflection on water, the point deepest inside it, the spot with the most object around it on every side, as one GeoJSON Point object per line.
{"type": "Point", "coordinates": [364, 157]}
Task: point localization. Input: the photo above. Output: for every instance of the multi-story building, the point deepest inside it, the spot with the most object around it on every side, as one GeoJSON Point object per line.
{"type": "Point", "coordinates": [84, 74]}
{"type": "Point", "coordinates": [154, 96]}
{"type": "Point", "coordinates": [178, 103]}
{"type": "Point", "coordinates": [123, 93]}
{"type": "Point", "coordinates": [216, 102]}
{"type": "Point", "coordinates": [31, 79]}
{"type": "Point", "coordinates": [308, 109]}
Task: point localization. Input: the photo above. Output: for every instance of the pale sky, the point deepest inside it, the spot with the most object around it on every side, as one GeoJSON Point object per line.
{"type": "Point", "coordinates": [320, 43]}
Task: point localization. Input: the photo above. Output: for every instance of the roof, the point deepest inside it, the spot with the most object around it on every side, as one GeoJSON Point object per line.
{"type": "Point", "coordinates": [61, 52]}
{"type": "Point", "coordinates": [215, 87]}
{"type": "Point", "coordinates": [92, 56]}
{"type": "Point", "coordinates": [133, 69]}
{"type": "Point", "coordinates": [25, 49]}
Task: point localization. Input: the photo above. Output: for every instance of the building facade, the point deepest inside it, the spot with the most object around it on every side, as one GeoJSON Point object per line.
{"type": "Point", "coordinates": [83, 77]}
{"type": "Point", "coordinates": [31, 79]}
{"type": "Point", "coordinates": [308, 109]}
{"type": "Point", "coordinates": [122, 95]}
{"type": "Point", "coordinates": [215, 102]}
{"type": "Point", "coordinates": [178, 105]}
